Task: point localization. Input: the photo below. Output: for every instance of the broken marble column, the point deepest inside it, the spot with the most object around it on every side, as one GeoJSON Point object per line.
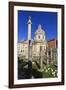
{"type": "Point", "coordinates": [47, 57]}
{"type": "Point", "coordinates": [51, 55]}
{"type": "Point", "coordinates": [41, 58]}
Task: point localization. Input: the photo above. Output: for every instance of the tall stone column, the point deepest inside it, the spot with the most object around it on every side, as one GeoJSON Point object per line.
{"type": "Point", "coordinates": [29, 48]}
{"type": "Point", "coordinates": [29, 38]}
{"type": "Point", "coordinates": [29, 28]}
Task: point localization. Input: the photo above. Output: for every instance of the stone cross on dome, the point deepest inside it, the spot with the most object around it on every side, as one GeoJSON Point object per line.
{"type": "Point", "coordinates": [39, 26]}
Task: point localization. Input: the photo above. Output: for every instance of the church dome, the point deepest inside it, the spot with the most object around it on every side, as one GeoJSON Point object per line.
{"type": "Point", "coordinates": [39, 30]}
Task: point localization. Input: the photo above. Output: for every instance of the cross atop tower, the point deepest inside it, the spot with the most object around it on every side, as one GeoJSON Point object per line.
{"type": "Point", "coordinates": [39, 26]}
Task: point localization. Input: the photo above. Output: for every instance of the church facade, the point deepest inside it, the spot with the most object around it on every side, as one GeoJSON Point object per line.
{"type": "Point", "coordinates": [41, 49]}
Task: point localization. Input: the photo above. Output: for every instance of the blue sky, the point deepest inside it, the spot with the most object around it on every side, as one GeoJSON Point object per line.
{"type": "Point", "coordinates": [48, 20]}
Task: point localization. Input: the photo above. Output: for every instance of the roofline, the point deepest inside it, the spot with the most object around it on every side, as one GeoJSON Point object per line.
{"type": "Point", "coordinates": [51, 40]}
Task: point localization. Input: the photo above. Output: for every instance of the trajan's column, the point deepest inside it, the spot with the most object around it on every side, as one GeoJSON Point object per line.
{"type": "Point", "coordinates": [29, 47]}
{"type": "Point", "coordinates": [29, 28]}
{"type": "Point", "coordinates": [29, 39]}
